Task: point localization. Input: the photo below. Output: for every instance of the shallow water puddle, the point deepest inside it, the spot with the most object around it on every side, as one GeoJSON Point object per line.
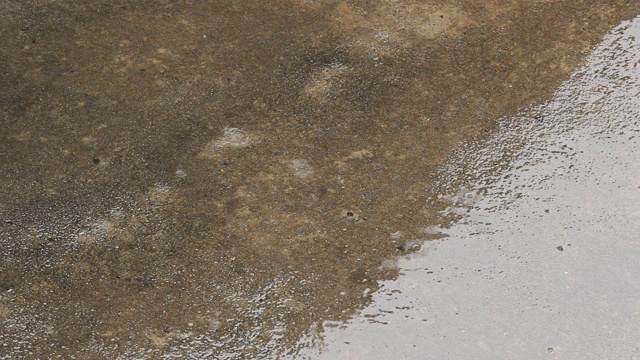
{"type": "Point", "coordinates": [544, 261]}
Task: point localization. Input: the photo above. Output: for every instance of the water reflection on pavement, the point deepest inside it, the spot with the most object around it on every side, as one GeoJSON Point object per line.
{"type": "Point", "coordinates": [544, 261]}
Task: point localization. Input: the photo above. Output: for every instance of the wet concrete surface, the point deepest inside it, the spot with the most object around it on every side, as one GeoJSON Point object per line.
{"type": "Point", "coordinates": [213, 179]}
{"type": "Point", "coordinates": [543, 263]}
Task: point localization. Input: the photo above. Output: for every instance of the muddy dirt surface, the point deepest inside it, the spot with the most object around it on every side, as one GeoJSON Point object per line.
{"type": "Point", "coordinates": [543, 261]}
{"type": "Point", "coordinates": [213, 179]}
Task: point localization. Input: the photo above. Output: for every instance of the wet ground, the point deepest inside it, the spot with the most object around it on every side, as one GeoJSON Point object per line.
{"type": "Point", "coordinates": [216, 179]}
{"type": "Point", "coordinates": [543, 263]}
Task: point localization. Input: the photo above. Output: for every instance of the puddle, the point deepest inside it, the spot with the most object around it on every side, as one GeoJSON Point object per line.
{"type": "Point", "coordinates": [543, 260]}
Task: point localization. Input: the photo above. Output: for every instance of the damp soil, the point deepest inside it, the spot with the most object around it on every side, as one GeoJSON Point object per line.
{"type": "Point", "coordinates": [213, 179]}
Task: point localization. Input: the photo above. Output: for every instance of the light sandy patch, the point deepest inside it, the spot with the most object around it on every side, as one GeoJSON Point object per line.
{"type": "Point", "coordinates": [354, 155]}
{"type": "Point", "coordinates": [301, 168]}
{"type": "Point", "coordinates": [232, 138]}
{"type": "Point", "coordinates": [99, 230]}
{"type": "Point", "coordinates": [160, 193]}
{"type": "Point", "coordinates": [85, 237]}
{"type": "Point", "coordinates": [5, 311]}
{"type": "Point", "coordinates": [360, 154]}
{"type": "Point", "coordinates": [391, 24]}
{"type": "Point", "coordinates": [159, 339]}
{"type": "Point", "coordinates": [325, 81]}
